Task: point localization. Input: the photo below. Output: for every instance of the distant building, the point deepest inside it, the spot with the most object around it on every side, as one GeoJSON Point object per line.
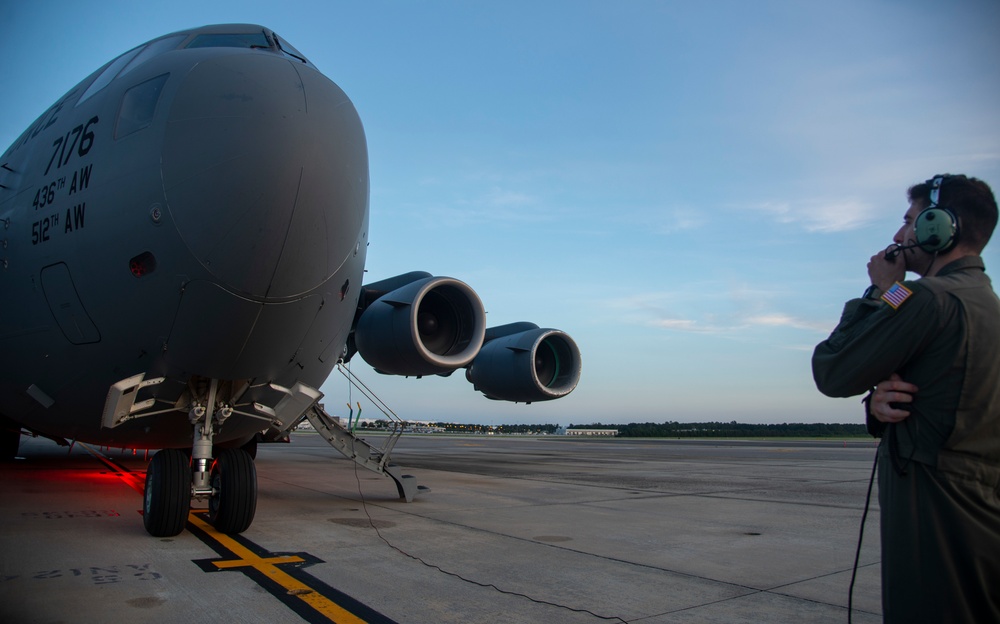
{"type": "Point", "coordinates": [591, 432]}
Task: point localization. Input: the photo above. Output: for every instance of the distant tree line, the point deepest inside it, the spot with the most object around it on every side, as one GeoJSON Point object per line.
{"type": "Point", "coordinates": [470, 428]}
{"type": "Point", "coordinates": [731, 430]}
{"type": "Point", "coordinates": [523, 429]}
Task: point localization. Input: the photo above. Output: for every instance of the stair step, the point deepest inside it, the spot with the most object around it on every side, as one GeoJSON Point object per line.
{"type": "Point", "coordinates": [351, 446]}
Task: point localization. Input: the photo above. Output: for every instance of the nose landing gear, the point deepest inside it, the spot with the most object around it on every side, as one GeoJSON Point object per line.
{"type": "Point", "coordinates": [229, 483]}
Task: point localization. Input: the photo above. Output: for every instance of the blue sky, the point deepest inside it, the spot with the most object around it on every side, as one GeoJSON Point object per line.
{"type": "Point", "coordinates": [690, 189]}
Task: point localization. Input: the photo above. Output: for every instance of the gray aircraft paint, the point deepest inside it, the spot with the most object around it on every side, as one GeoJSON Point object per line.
{"type": "Point", "coordinates": [183, 245]}
{"type": "Point", "coordinates": [248, 183]}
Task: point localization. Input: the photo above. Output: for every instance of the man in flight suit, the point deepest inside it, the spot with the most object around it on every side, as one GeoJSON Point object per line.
{"type": "Point", "coordinates": [928, 351]}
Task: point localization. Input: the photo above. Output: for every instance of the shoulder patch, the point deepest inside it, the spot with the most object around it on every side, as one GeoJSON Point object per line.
{"type": "Point", "coordinates": [896, 295]}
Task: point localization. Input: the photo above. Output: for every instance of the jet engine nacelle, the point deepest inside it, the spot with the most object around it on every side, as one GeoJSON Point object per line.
{"type": "Point", "coordinates": [521, 362]}
{"type": "Point", "coordinates": [431, 325]}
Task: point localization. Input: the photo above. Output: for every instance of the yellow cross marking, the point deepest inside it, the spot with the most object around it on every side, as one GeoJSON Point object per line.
{"type": "Point", "coordinates": [246, 558]}
{"type": "Point", "coordinates": [256, 562]}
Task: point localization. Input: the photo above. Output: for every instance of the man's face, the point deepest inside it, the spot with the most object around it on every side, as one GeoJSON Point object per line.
{"type": "Point", "coordinates": [916, 259]}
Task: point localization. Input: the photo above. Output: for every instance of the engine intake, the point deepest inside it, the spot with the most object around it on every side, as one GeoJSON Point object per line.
{"type": "Point", "coordinates": [429, 326]}
{"type": "Point", "coordinates": [523, 363]}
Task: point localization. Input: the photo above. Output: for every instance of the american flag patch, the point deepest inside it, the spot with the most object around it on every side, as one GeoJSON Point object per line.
{"type": "Point", "coordinates": [896, 295]}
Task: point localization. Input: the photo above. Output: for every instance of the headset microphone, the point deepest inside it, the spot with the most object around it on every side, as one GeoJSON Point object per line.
{"type": "Point", "coordinates": [892, 251]}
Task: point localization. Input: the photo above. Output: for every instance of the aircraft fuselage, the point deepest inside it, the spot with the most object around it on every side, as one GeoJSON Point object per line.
{"type": "Point", "coordinates": [196, 209]}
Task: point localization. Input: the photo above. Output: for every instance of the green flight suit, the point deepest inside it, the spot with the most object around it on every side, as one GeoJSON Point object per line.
{"type": "Point", "coordinates": [939, 470]}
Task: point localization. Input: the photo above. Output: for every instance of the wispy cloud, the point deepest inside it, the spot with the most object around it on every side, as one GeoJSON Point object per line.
{"type": "Point", "coordinates": [778, 319]}
{"type": "Point", "coordinates": [670, 220]}
{"type": "Point", "coordinates": [733, 311]}
{"type": "Point", "coordinates": [734, 324]}
{"type": "Point", "coordinates": [468, 206]}
{"type": "Point", "coordinates": [681, 325]}
{"type": "Point", "coordinates": [821, 216]}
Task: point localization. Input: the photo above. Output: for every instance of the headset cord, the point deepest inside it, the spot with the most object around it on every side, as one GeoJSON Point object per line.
{"type": "Point", "coordinates": [373, 525]}
{"type": "Point", "coordinates": [931, 265]}
{"type": "Point", "coordinates": [371, 522]}
{"type": "Point", "coordinates": [861, 535]}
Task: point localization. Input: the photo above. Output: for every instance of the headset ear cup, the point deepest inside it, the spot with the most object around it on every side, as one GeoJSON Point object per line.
{"type": "Point", "coordinates": [936, 230]}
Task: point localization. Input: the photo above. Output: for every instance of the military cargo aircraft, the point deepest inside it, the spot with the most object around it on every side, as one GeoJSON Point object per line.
{"type": "Point", "coordinates": [182, 245]}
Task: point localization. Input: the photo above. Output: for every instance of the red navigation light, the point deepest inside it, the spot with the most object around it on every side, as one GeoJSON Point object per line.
{"type": "Point", "coordinates": [143, 264]}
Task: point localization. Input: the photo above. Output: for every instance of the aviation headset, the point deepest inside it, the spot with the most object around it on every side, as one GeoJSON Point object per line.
{"type": "Point", "coordinates": [936, 227]}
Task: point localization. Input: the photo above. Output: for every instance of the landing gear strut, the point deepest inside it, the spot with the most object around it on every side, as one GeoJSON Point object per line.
{"type": "Point", "coordinates": [229, 483]}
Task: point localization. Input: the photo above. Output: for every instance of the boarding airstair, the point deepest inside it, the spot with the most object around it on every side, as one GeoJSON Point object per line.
{"type": "Point", "coordinates": [364, 454]}
{"type": "Point", "coordinates": [359, 450]}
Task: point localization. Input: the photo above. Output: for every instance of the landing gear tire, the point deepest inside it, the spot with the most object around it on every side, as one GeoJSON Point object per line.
{"type": "Point", "coordinates": [167, 496]}
{"type": "Point", "coordinates": [10, 440]}
{"type": "Point", "coordinates": [234, 484]}
{"type": "Point", "coordinates": [251, 446]}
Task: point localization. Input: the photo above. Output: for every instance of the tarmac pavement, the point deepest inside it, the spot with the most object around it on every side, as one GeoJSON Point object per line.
{"type": "Point", "coordinates": [515, 529]}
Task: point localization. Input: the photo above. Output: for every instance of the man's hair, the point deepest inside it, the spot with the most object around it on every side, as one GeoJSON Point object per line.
{"type": "Point", "coordinates": [972, 202]}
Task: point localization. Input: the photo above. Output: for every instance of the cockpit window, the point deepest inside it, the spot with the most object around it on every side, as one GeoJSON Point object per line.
{"type": "Point", "coordinates": [108, 74]}
{"type": "Point", "coordinates": [156, 48]}
{"type": "Point", "coordinates": [138, 106]}
{"type": "Point", "coordinates": [129, 61]}
{"type": "Point", "coordinates": [288, 49]}
{"type": "Point", "coordinates": [232, 40]}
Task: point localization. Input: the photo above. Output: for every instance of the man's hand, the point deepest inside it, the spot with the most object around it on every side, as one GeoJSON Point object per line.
{"type": "Point", "coordinates": [884, 273]}
{"type": "Point", "coordinates": [892, 390]}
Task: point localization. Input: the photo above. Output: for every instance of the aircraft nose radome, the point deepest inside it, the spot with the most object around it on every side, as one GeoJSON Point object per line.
{"type": "Point", "coordinates": [265, 173]}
